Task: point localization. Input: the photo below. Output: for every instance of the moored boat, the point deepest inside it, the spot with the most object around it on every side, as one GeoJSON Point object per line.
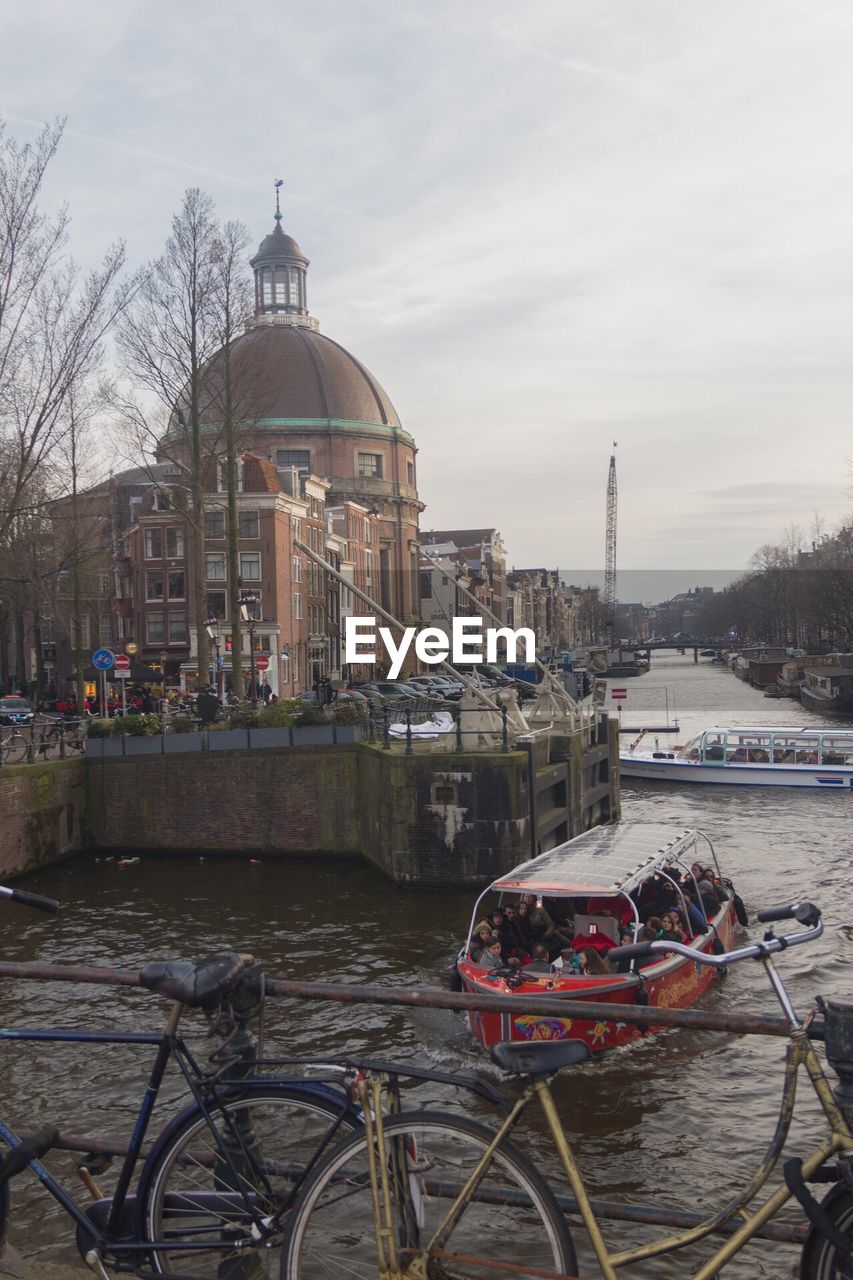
{"type": "Point", "coordinates": [604, 880]}
{"type": "Point", "coordinates": [827, 687]}
{"type": "Point", "coordinates": [819, 756]}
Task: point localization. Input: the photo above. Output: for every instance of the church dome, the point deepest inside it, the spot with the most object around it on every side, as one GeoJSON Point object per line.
{"type": "Point", "coordinates": [289, 373]}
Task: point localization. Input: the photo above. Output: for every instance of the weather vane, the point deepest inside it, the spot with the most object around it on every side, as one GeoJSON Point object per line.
{"type": "Point", "coordinates": [278, 184]}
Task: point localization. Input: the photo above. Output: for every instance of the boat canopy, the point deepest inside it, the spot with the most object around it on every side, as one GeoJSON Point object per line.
{"type": "Point", "coordinates": [606, 860]}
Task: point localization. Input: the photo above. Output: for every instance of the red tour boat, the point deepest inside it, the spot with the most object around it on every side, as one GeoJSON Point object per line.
{"type": "Point", "coordinates": [615, 878]}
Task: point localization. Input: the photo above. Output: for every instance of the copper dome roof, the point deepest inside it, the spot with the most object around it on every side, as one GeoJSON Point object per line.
{"type": "Point", "coordinates": [293, 372]}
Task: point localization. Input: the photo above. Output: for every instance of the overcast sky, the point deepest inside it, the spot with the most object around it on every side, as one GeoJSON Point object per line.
{"type": "Point", "coordinates": [542, 226]}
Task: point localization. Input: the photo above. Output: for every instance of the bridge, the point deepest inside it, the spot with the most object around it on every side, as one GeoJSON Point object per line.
{"type": "Point", "coordinates": [645, 648]}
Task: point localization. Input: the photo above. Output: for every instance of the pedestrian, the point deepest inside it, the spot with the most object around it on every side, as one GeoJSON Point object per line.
{"type": "Point", "coordinates": [208, 705]}
{"type": "Point", "coordinates": [265, 692]}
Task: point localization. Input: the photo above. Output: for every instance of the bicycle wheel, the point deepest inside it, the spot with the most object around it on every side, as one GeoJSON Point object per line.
{"type": "Point", "coordinates": [197, 1200]}
{"type": "Point", "coordinates": [15, 749]}
{"type": "Point", "coordinates": [820, 1260]}
{"type": "Point", "coordinates": [513, 1227]}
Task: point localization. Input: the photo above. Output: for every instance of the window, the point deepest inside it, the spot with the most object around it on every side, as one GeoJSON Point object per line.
{"type": "Point", "coordinates": [299, 458]}
{"type": "Point", "coordinates": [214, 566]}
{"type": "Point", "coordinates": [410, 471]}
{"type": "Point", "coordinates": [214, 524]}
{"type": "Point", "coordinates": [281, 285]}
{"type": "Point", "coordinates": [266, 276]}
{"type": "Point", "coordinates": [177, 589]}
{"type": "Point", "coordinates": [153, 544]}
{"type": "Point", "coordinates": [368, 567]}
{"type": "Point", "coordinates": [177, 626]}
{"type": "Point", "coordinates": [370, 464]}
{"type": "Point", "coordinates": [297, 604]}
{"type": "Point", "coordinates": [154, 631]}
{"type": "Point", "coordinates": [84, 631]}
{"type": "Point", "coordinates": [249, 524]}
{"type": "Point", "coordinates": [294, 288]}
{"type": "Point", "coordinates": [154, 585]}
{"type": "Point", "coordinates": [216, 604]}
{"type": "Point", "coordinates": [161, 501]}
{"type": "Point", "coordinates": [297, 569]}
{"type": "Point", "coordinates": [296, 528]}
{"type": "Point", "coordinates": [250, 566]}
{"type": "Point", "coordinates": [174, 542]}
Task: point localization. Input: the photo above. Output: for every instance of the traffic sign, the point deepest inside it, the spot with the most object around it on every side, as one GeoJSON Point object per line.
{"type": "Point", "coordinates": [122, 666]}
{"type": "Point", "coordinates": [103, 659]}
{"type": "Point", "coordinates": [618, 695]}
{"type": "Point", "coordinates": [261, 662]}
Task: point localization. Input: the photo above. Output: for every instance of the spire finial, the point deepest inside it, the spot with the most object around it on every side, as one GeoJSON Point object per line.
{"type": "Point", "coordinates": [278, 184]}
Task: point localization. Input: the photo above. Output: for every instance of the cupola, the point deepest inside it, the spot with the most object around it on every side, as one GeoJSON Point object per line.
{"type": "Point", "coordinates": [280, 268]}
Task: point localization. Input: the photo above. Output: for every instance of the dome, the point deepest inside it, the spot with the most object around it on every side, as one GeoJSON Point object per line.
{"type": "Point", "coordinates": [291, 372]}
{"type": "Point", "coordinates": [278, 244]}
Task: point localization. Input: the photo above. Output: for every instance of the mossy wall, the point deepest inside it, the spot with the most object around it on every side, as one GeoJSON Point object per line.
{"type": "Point", "coordinates": [44, 814]}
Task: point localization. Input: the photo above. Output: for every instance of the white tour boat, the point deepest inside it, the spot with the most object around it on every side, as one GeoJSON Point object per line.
{"type": "Point", "coordinates": [751, 756]}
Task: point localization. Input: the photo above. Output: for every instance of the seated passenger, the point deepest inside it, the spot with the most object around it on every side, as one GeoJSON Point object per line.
{"type": "Point", "coordinates": [543, 926]}
{"type": "Point", "coordinates": [490, 956]}
{"type": "Point", "coordinates": [568, 962]}
{"type": "Point", "coordinates": [540, 963]}
{"type": "Point", "coordinates": [651, 929]}
{"type": "Point", "coordinates": [525, 928]}
{"type": "Point", "coordinates": [481, 938]}
{"type": "Point", "coordinates": [709, 899]}
{"type": "Point", "coordinates": [513, 936]}
{"type": "Point", "coordinates": [671, 930]}
{"type": "Point", "coordinates": [593, 963]}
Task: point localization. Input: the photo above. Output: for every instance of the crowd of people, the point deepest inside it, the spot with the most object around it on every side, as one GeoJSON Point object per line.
{"type": "Point", "coordinates": [534, 937]}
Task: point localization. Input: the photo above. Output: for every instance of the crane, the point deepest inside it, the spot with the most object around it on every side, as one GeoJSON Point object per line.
{"type": "Point", "coordinates": [610, 552]}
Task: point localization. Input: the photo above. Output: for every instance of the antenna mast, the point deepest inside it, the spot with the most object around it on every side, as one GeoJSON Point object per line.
{"type": "Point", "coordinates": [610, 551]}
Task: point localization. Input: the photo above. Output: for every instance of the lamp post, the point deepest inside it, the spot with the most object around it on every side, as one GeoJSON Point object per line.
{"type": "Point", "coordinates": [247, 613]}
{"type": "Point", "coordinates": [213, 629]}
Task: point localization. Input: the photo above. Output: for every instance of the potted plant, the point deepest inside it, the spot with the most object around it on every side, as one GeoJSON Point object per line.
{"type": "Point", "coordinates": [312, 727]}
{"type": "Point", "coordinates": [273, 725]}
{"type": "Point", "coordinates": [349, 719]}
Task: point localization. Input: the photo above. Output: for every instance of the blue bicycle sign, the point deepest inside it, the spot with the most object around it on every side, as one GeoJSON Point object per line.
{"type": "Point", "coordinates": [103, 659]}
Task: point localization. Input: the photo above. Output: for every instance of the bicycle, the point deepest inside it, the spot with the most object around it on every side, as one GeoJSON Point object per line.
{"type": "Point", "coordinates": [216, 1185]}
{"type": "Point", "coordinates": [426, 1196]}
{"type": "Point", "coordinates": [15, 746]}
{"type": "Point", "coordinates": [218, 1180]}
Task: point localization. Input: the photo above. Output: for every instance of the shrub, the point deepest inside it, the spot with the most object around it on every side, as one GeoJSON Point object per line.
{"type": "Point", "coordinates": [310, 715]}
{"type": "Point", "coordinates": [100, 728]}
{"type": "Point", "coordinates": [349, 713]}
{"type": "Point", "coordinates": [140, 726]}
{"type": "Point", "coordinates": [278, 716]}
{"type": "Point", "coordinates": [182, 724]}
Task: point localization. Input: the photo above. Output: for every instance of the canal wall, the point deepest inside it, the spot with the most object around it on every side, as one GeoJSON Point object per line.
{"type": "Point", "coordinates": [429, 818]}
{"type": "Point", "coordinates": [44, 814]}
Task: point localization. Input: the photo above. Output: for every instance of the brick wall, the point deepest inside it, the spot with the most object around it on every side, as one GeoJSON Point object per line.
{"type": "Point", "coordinates": [44, 809]}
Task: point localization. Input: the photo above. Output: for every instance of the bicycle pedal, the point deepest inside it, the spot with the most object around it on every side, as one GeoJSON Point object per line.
{"type": "Point", "coordinates": [94, 1262]}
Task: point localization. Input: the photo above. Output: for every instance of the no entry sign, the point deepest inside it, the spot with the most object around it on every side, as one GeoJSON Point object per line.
{"type": "Point", "coordinates": [261, 662]}
{"type": "Point", "coordinates": [121, 666]}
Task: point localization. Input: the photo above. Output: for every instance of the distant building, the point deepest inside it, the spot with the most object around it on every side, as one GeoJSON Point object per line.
{"type": "Point", "coordinates": [483, 553]}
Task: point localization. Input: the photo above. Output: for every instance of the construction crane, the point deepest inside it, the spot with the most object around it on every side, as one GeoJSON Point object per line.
{"type": "Point", "coordinates": [610, 553]}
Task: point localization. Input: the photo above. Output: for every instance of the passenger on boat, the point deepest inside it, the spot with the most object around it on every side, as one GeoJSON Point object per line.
{"type": "Point", "coordinates": [671, 930]}
{"type": "Point", "coordinates": [568, 962]}
{"type": "Point", "coordinates": [592, 962]}
{"type": "Point", "coordinates": [696, 918]}
{"type": "Point", "coordinates": [512, 936]}
{"type": "Point", "coordinates": [543, 926]}
{"type": "Point", "coordinates": [481, 939]}
{"type": "Point", "coordinates": [490, 957]}
{"type": "Point", "coordinates": [525, 928]}
{"type": "Point", "coordinates": [540, 963]}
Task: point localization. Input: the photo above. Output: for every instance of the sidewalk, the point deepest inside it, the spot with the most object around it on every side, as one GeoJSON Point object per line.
{"type": "Point", "coordinates": [14, 1267]}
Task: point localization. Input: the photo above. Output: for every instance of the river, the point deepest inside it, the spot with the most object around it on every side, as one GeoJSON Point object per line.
{"type": "Point", "coordinates": [673, 1120]}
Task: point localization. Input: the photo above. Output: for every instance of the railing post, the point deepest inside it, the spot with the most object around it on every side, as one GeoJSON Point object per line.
{"type": "Point", "coordinates": [386, 724]}
{"type": "Point", "coordinates": [458, 728]}
{"type": "Point", "coordinates": [408, 732]}
{"type": "Point", "coordinates": [30, 757]}
{"type": "Point", "coordinates": [371, 722]}
{"type": "Point", "coordinates": [504, 730]}
{"type": "Point", "coordinates": [62, 739]}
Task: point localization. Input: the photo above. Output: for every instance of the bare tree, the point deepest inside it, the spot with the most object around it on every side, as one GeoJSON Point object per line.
{"type": "Point", "coordinates": [53, 318]}
{"type": "Point", "coordinates": [167, 336]}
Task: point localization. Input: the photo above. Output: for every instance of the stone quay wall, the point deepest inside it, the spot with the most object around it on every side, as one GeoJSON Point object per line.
{"type": "Point", "coordinates": [44, 814]}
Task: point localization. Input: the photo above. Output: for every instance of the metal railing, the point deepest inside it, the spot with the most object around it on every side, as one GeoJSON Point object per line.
{"type": "Point", "coordinates": [42, 740]}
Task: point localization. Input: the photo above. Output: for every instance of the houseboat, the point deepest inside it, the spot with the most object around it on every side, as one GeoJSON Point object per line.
{"type": "Point", "coordinates": [759, 667]}
{"type": "Point", "coordinates": [819, 756]}
{"type": "Point", "coordinates": [602, 881]}
{"type": "Point", "coordinates": [827, 687]}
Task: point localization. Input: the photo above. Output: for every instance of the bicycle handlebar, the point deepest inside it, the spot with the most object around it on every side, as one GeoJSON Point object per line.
{"type": "Point", "coordinates": [638, 949]}
{"type": "Point", "coordinates": [30, 899]}
{"type": "Point", "coordinates": [806, 912]}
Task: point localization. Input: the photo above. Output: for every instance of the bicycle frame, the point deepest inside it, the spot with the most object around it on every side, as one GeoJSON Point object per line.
{"type": "Point", "coordinates": [800, 1053]}
{"type": "Point", "coordinates": [168, 1045]}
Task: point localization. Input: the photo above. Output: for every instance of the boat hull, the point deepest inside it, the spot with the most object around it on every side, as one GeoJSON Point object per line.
{"type": "Point", "coordinates": [674, 983]}
{"type": "Point", "coordinates": [822, 777]}
{"type": "Point", "coordinates": [839, 708]}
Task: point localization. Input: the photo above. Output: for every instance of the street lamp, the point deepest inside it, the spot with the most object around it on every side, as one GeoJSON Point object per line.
{"type": "Point", "coordinates": [212, 627]}
{"type": "Point", "coordinates": [247, 613]}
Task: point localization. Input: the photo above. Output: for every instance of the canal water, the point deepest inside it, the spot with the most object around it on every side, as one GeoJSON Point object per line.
{"type": "Point", "coordinates": [674, 1120]}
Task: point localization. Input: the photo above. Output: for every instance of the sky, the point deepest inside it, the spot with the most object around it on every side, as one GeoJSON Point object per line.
{"type": "Point", "coordinates": [542, 226]}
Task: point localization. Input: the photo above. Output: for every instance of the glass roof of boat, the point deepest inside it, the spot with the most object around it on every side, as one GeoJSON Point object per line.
{"type": "Point", "coordinates": [606, 860]}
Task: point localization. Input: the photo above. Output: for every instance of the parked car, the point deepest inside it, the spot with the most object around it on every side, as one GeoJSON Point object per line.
{"type": "Point", "coordinates": [441, 686]}
{"type": "Point", "coordinates": [382, 691]}
{"type": "Point", "coordinates": [15, 710]}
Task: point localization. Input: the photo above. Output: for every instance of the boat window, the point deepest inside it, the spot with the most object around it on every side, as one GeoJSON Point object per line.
{"type": "Point", "coordinates": [837, 749]}
{"type": "Point", "coordinates": [692, 749]}
{"type": "Point", "coordinates": [807, 749]}
{"type": "Point", "coordinates": [714, 745]}
{"type": "Point", "coordinates": [748, 748]}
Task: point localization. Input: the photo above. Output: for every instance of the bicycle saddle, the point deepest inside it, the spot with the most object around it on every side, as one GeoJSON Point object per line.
{"type": "Point", "coordinates": [199, 983]}
{"type": "Point", "coordinates": [520, 1058]}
